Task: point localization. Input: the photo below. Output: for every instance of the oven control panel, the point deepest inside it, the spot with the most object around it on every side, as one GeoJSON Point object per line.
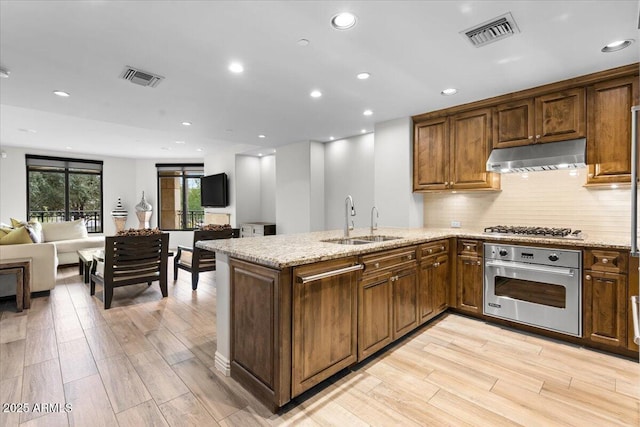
{"type": "Point", "coordinates": [533, 255]}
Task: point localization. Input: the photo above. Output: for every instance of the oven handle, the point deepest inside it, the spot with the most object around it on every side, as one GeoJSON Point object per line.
{"type": "Point", "coordinates": [538, 268]}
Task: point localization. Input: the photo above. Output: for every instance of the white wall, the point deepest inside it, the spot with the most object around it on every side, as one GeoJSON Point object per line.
{"type": "Point", "coordinates": [268, 189]}
{"type": "Point", "coordinates": [349, 170]}
{"type": "Point", "coordinates": [393, 161]}
{"type": "Point", "coordinates": [248, 184]}
{"type": "Point", "coordinates": [316, 186]}
{"type": "Point", "coordinates": [293, 208]}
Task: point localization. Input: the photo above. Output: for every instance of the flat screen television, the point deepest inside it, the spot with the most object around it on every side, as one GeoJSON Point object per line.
{"type": "Point", "coordinates": [214, 191]}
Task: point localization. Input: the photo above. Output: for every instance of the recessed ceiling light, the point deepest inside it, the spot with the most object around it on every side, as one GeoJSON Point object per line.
{"type": "Point", "coordinates": [198, 149]}
{"type": "Point", "coordinates": [315, 94]}
{"type": "Point", "coordinates": [363, 76]}
{"type": "Point", "coordinates": [367, 112]}
{"type": "Point", "coordinates": [28, 130]}
{"type": "Point", "coordinates": [303, 42]}
{"type": "Point", "coordinates": [331, 138]}
{"type": "Point", "coordinates": [262, 136]}
{"type": "Point", "coordinates": [166, 148]}
{"type": "Point", "coordinates": [363, 131]}
{"type": "Point", "coordinates": [180, 142]}
{"type": "Point", "coordinates": [343, 21]}
{"type": "Point", "coordinates": [61, 93]}
{"type": "Point", "coordinates": [236, 67]}
{"type": "Point", "coordinates": [617, 45]}
{"type": "Point", "coordinates": [186, 123]}
{"type": "Point", "coordinates": [260, 154]}
{"type": "Point", "coordinates": [4, 73]}
{"type": "Point", "coordinates": [449, 91]}
{"type": "Point", "coordinates": [69, 148]}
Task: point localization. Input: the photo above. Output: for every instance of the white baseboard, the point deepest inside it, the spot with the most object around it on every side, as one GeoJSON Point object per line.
{"type": "Point", "coordinates": [223, 364]}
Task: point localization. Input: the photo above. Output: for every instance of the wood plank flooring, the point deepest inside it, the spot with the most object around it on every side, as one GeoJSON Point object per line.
{"type": "Point", "coordinates": [149, 361]}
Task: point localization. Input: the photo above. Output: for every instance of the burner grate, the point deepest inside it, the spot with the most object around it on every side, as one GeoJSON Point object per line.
{"type": "Point", "coordinates": [559, 232]}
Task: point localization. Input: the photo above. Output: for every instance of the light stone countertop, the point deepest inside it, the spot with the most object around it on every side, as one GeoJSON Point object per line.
{"type": "Point", "coordinates": [287, 250]}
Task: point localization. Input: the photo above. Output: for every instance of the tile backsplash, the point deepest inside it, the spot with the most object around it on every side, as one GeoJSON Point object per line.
{"type": "Point", "coordinates": [547, 199]}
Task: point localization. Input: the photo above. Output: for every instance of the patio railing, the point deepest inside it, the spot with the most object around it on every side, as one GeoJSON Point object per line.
{"type": "Point", "coordinates": [92, 219]}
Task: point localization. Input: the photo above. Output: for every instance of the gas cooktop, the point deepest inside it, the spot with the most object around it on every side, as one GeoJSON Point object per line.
{"type": "Point", "coordinates": [547, 232]}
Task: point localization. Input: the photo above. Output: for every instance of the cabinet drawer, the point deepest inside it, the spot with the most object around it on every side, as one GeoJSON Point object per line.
{"type": "Point", "coordinates": [605, 260]}
{"type": "Point", "coordinates": [386, 260]}
{"type": "Point", "coordinates": [470, 248]}
{"type": "Point", "coordinates": [433, 248]}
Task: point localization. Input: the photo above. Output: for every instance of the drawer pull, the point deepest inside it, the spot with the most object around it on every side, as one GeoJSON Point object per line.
{"type": "Point", "coordinates": [430, 251]}
{"type": "Point", "coordinates": [326, 274]}
{"type": "Point", "coordinates": [467, 248]}
{"type": "Point", "coordinates": [410, 256]}
{"type": "Point", "coordinates": [376, 265]}
{"type": "Point", "coordinates": [442, 248]}
{"type": "Point", "coordinates": [587, 277]}
{"type": "Point", "coordinates": [479, 262]}
{"type": "Point", "coordinates": [436, 264]}
{"type": "Point", "coordinates": [605, 260]}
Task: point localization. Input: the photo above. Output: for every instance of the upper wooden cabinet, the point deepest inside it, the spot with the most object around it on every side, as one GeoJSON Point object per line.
{"type": "Point", "coordinates": [450, 153]}
{"type": "Point", "coordinates": [552, 117]}
{"type": "Point", "coordinates": [609, 130]}
{"type": "Point", "coordinates": [431, 155]}
{"type": "Point", "coordinates": [470, 148]}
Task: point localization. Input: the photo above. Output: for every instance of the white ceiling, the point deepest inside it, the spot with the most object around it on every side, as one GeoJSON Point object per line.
{"type": "Point", "coordinates": [412, 49]}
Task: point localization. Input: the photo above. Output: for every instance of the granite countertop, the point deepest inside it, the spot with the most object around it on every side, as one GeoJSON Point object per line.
{"type": "Point", "coordinates": [287, 250]}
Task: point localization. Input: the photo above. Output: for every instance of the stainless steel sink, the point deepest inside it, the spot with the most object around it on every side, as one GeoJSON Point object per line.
{"type": "Point", "coordinates": [349, 241]}
{"type": "Point", "coordinates": [361, 240]}
{"type": "Point", "coordinates": [378, 238]}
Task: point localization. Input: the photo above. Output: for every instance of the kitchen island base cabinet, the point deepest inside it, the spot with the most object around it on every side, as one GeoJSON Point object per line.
{"type": "Point", "coordinates": [375, 314]}
{"type": "Point", "coordinates": [324, 321]}
{"type": "Point", "coordinates": [261, 331]}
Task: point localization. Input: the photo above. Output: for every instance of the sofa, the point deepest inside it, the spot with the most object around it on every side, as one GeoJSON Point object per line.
{"type": "Point", "coordinates": [58, 245]}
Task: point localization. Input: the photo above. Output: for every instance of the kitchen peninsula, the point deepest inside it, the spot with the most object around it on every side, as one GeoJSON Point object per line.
{"type": "Point", "coordinates": [292, 310]}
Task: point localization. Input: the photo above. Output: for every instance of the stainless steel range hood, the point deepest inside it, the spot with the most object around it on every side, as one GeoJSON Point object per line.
{"type": "Point", "coordinates": [539, 157]}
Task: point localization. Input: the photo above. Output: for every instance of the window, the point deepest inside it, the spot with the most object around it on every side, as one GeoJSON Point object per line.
{"type": "Point", "coordinates": [179, 196]}
{"type": "Point", "coordinates": [61, 189]}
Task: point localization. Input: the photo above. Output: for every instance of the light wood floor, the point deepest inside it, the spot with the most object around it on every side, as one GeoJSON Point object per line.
{"type": "Point", "coordinates": [149, 361]}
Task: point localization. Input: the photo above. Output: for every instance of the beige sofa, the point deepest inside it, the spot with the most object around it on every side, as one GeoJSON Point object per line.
{"type": "Point", "coordinates": [60, 243]}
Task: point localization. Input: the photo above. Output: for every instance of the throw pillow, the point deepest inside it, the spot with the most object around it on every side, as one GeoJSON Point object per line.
{"type": "Point", "coordinates": [33, 227]}
{"type": "Point", "coordinates": [68, 230]}
{"type": "Point", "coordinates": [17, 236]}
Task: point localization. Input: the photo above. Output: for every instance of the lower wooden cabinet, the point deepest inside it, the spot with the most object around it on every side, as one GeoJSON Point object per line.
{"type": "Point", "coordinates": [433, 286]}
{"type": "Point", "coordinates": [375, 314]}
{"type": "Point", "coordinates": [605, 308]}
{"type": "Point", "coordinates": [324, 321]}
{"type": "Point", "coordinates": [405, 294]}
{"type": "Point", "coordinates": [469, 276]}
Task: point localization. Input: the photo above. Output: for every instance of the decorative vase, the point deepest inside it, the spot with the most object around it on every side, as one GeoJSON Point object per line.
{"type": "Point", "coordinates": [119, 215]}
{"type": "Point", "coordinates": [143, 212]}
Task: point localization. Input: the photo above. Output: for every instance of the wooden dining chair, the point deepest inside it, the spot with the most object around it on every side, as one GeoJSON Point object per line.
{"type": "Point", "coordinates": [196, 260]}
{"type": "Point", "coordinates": [130, 260]}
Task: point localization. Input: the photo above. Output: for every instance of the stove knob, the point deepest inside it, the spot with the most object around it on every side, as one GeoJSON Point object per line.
{"type": "Point", "coordinates": [503, 252]}
{"type": "Point", "coordinates": [553, 257]}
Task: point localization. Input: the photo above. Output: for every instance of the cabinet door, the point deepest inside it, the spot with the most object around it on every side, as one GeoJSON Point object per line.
{"type": "Point", "coordinates": [605, 296]}
{"type": "Point", "coordinates": [513, 124]}
{"type": "Point", "coordinates": [561, 116]}
{"type": "Point", "coordinates": [325, 319]}
{"type": "Point", "coordinates": [470, 148]}
{"type": "Point", "coordinates": [431, 155]}
{"type": "Point", "coordinates": [405, 293]}
{"type": "Point", "coordinates": [469, 283]}
{"type": "Point", "coordinates": [633, 288]}
{"type": "Point", "coordinates": [609, 130]}
{"type": "Point", "coordinates": [375, 310]}
{"type": "Point", "coordinates": [433, 284]}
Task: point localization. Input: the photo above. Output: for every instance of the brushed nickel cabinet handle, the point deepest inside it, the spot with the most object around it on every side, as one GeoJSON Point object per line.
{"type": "Point", "coordinates": [605, 261]}
{"type": "Point", "coordinates": [479, 262]}
{"type": "Point", "coordinates": [537, 136]}
{"type": "Point", "coordinates": [587, 277]}
{"type": "Point", "coordinates": [530, 136]}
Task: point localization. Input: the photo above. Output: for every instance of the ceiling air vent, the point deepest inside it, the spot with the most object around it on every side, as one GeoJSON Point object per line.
{"type": "Point", "coordinates": [139, 77]}
{"type": "Point", "coordinates": [491, 31]}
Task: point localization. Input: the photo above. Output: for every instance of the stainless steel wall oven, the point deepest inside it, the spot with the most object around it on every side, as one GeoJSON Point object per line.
{"type": "Point", "coordinates": [540, 287]}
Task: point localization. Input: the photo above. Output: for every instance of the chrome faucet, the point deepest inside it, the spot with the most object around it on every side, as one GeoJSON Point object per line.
{"type": "Point", "coordinates": [348, 201]}
{"type": "Point", "coordinates": [374, 226]}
